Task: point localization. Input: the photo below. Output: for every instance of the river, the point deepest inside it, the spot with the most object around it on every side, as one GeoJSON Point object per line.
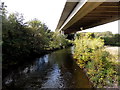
{"type": "Point", "coordinates": [54, 70]}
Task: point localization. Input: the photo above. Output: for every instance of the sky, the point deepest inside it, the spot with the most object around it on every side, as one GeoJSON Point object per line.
{"type": "Point", "coordinates": [49, 12]}
{"type": "Point", "coordinates": [112, 26]}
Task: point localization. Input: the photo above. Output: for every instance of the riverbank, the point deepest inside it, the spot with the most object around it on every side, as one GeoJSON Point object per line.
{"type": "Point", "coordinates": [92, 74]}
{"type": "Point", "coordinates": [55, 70]}
{"type": "Point", "coordinates": [99, 64]}
{"type": "Point", "coordinates": [22, 42]}
{"type": "Point", "coordinates": [8, 67]}
{"type": "Point", "coordinates": [115, 51]}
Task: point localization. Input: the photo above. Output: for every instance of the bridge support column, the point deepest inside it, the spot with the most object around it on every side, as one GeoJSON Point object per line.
{"type": "Point", "coordinates": [62, 32]}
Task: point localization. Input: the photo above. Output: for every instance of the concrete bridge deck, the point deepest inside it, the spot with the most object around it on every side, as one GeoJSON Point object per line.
{"type": "Point", "coordinates": [77, 15]}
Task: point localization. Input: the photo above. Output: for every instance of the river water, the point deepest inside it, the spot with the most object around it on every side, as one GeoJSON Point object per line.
{"type": "Point", "coordinates": [55, 70]}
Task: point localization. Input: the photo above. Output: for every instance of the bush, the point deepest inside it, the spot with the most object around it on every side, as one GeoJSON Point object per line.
{"type": "Point", "coordinates": [90, 55]}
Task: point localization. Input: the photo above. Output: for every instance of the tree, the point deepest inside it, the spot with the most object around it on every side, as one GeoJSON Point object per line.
{"type": "Point", "coordinates": [35, 24]}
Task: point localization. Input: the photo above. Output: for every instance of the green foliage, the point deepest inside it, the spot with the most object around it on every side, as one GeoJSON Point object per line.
{"type": "Point", "coordinates": [22, 40]}
{"type": "Point", "coordinates": [109, 38]}
{"type": "Point", "coordinates": [114, 40]}
{"type": "Point", "coordinates": [59, 40]}
{"type": "Point", "coordinates": [90, 54]}
{"type": "Point", "coordinates": [35, 24]}
{"type": "Point", "coordinates": [103, 34]}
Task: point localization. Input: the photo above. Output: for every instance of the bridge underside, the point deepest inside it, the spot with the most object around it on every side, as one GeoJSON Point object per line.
{"type": "Point", "coordinates": [91, 14]}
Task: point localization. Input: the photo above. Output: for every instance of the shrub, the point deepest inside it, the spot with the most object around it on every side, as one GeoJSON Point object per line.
{"type": "Point", "coordinates": [90, 54]}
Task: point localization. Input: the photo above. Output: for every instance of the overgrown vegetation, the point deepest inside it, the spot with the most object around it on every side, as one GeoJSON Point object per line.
{"type": "Point", "coordinates": [109, 38]}
{"type": "Point", "coordinates": [21, 40]}
{"type": "Point", "coordinates": [98, 63]}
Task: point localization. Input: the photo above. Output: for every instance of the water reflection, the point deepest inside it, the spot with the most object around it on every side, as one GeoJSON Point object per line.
{"type": "Point", "coordinates": [54, 79]}
{"type": "Point", "coordinates": [55, 70]}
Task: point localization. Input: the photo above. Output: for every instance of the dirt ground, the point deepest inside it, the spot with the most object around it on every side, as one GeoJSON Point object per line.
{"type": "Point", "coordinates": [114, 50]}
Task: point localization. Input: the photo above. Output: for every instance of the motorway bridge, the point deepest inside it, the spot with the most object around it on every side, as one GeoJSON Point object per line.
{"type": "Point", "coordinates": [84, 14]}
